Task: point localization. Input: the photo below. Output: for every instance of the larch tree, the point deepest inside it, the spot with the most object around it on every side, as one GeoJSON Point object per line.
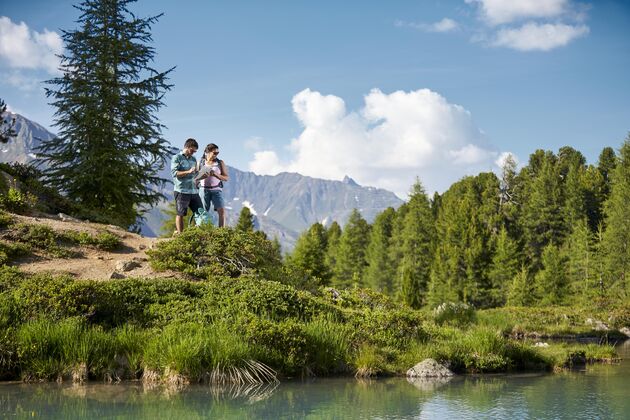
{"type": "Point", "coordinates": [520, 292]}
{"type": "Point", "coordinates": [505, 266]}
{"type": "Point", "coordinates": [6, 124]}
{"type": "Point", "coordinates": [542, 214]}
{"type": "Point", "coordinates": [578, 249]}
{"type": "Point", "coordinates": [333, 234]}
{"type": "Point", "coordinates": [617, 233]}
{"type": "Point", "coordinates": [350, 255]}
{"type": "Point", "coordinates": [551, 280]}
{"type": "Point", "coordinates": [245, 221]}
{"type": "Point", "coordinates": [380, 272]}
{"type": "Point", "coordinates": [309, 254]}
{"type": "Point", "coordinates": [418, 241]}
{"type": "Point", "coordinates": [109, 150]}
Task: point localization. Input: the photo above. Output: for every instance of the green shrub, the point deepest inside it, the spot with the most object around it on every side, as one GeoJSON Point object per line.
{"type": "Point", "coordinates": [386, 328]}
{"type": "Point", "coordinates": [41, 196]}
{"type": "Point", "coordinates": [206, 252]}
{"type": "Point", "coordinates": [10, 278]}
{"type": "Point", "coordinates": [458, 313]}
{"type": "Point", "coordinates": [5, 219]}
{"type": "Point", "coordinates": [17, 201]}
{"type": "Point", "coordinates": [41, 237]}
{"type": "Point", "coordinates": [8, 354]}
{"type": "Point", "coordinates": [103, 240]}
{"type": "Point", "coordinates": [10, 251]}
{"type": "Point", "coordinates": [282, 345]}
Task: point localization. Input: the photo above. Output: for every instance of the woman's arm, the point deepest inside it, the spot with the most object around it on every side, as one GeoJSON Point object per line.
{"type": "Point", "coordinates": [224, 173]}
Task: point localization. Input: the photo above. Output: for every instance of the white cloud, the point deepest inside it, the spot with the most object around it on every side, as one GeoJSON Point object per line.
{"type": "Point", "coordinates": [253, 143]}
{"type": "Point", "coordinates": [543, 37]}
{"type": "Point", "coordinates": [22, 82]}
{"type": "Point", "coordinates": [497, 12]}
{"type": "Point", "coordinates": [266, 162]}
{"type": "Point", "coordinates": [444, 25]}
{"type": "Point", "coordinates": [391, 140]}
{"type": "Point", "coordinates": [23, 48]}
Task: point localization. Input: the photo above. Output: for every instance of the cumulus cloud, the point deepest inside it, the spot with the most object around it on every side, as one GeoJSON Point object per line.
{"type": "Point", "coordinates": [22, 82]}
{"type": "Point", "coordinates": [543, 37]}
{"type": "Point", "coordinates": [387, 143]}
{"type": "Point", "coordinates": [253, 143]}
{"type": "Point", "coordinates": [497, 12]}
{"type": "Point", "coordinates": [23, 48]}
{"type": "Point", "coordinates": [548, 24]}
{"type": "Point", "coordinates": [444, 25]}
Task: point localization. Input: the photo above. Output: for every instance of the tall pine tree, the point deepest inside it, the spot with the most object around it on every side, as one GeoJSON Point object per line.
{"type": "Point", "coordinates": [309, 254]}
{"type": "Point", "coordinates": [551, 281]}
{"type": "Point", "coordinates": [542, 214]}
{"type": "Point", "coordinates": [418, 241]}
{"type": "Point", "coordinates": [6, 125]}
{"type": "Point", "coordinates": [521, 288]}
{"type": "Point", "coordinates": [350, 255]}
{"type": "Point", "coordinates": [505, 266]}
{"type": "Point", "coordinates": [580, 258]}
{"type": "Point", "coordinates": [617, 233]}
{"type": "Point", "coordinates": [245, 221]}
{"type": "Point", "coordinates": [110, 148]}
{"type": "Point", "coordinates": [380, 271]}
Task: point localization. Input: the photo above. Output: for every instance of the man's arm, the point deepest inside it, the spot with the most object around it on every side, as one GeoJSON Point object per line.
{"type": "Point", "coordinates": [175, 172]}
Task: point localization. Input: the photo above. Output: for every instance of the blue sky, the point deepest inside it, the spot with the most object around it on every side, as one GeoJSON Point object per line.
{"type": "Point", "coordinates": [380, 91]}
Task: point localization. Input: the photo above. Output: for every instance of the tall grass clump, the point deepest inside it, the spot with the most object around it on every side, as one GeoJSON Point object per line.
{"type": "Point", "coordinates": [329, 345]}
{"type": "Point", "coordinates": [51, 350]}
{"type": "Point", "coordinates": [369, 361]}
{"type": "Point", "coordinates": [192, 352]}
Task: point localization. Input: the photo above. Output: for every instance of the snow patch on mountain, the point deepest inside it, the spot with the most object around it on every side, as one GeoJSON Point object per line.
{"type": "Point", "coordinates": [250, 206]}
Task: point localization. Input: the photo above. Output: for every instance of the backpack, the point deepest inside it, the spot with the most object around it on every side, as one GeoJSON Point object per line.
{"type": "Point", "coordinates": [202, 217]}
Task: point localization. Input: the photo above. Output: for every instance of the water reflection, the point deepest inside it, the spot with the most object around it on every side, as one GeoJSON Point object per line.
{"type": "Point", "coordinates": [596, 392]}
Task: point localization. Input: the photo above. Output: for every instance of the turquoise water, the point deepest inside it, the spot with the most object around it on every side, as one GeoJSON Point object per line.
{"type": "Point", "coordinates": [601, 391]}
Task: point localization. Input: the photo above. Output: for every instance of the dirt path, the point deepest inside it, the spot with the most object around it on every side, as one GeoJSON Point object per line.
{"type": "Point", "coordinates": [128, 261]}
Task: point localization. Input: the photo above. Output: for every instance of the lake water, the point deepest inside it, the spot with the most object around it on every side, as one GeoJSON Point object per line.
{"type": "Point", "coordinates": [601, 391]}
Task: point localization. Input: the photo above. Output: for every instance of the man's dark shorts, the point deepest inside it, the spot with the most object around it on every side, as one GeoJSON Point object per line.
{"type": "Point", "coordinates": [183, 201]}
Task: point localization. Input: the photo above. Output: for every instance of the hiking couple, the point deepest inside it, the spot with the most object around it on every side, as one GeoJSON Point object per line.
{"type": "Point", "coordinates": [197, 185]}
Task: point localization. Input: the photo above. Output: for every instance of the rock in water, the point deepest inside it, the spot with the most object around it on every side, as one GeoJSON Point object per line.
{"type": "Point", "coordinates": [429, 368]}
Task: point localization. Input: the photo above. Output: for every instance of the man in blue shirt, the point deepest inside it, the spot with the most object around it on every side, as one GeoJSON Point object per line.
{"type": "Point", "coordinates": [183, 168]}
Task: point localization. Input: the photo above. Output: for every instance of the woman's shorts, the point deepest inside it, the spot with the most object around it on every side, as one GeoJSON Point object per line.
{"type": "Point", "coordinates": [213, 196]}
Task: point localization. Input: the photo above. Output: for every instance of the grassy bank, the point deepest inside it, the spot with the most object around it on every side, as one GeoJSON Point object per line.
{"type": "Point", "coordinates": [241, 329]}
{"type": "Point", "coordinates": [600, 320]}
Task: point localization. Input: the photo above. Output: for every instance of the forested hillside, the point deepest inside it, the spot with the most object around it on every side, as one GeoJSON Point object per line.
{"type": "Point", "coordinates": [556, 231]}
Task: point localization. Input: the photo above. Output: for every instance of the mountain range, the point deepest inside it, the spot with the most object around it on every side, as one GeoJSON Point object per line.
{"type": "Point", "coordinates": [283, 205]}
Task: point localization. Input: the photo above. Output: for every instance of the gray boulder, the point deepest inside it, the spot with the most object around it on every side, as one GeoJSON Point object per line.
{"type": "Point", "coordinates": [429, 368]}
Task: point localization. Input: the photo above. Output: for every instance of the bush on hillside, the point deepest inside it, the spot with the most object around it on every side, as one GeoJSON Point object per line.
{"type": "Point", "coordinates": [36, 195]}
{"type": "Point", "coordinates": [205, 252]}
{"type": "Point", "coordinates": [454, 313]}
